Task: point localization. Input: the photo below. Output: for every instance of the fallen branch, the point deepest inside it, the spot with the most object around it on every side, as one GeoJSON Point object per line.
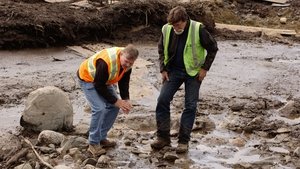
{"type": "Point", "coordinates": [17, 156]}
{"type": "Point", "coordinates": [37, 154]}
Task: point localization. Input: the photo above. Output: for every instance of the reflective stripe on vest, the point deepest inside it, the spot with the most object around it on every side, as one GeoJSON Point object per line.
{"type": "Point", "coordinates": [194, 53]}
{"type": "Point", "coordinates": [114, 68]}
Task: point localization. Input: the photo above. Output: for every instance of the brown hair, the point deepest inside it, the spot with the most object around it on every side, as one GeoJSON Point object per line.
{"type": "Point", "coordinates": [130, 52]}
{"type": "Point", "coordinates": [177, 14]}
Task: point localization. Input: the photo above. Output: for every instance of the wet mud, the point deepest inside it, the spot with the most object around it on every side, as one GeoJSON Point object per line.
{"type": "Point", "coordinates": [248, 112]}
{"type": "Point", "coordinates": [249, 107]}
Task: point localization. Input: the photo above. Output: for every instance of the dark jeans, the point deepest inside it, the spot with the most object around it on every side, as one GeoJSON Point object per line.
{"type": "Point", "coordinates": [169, 88]}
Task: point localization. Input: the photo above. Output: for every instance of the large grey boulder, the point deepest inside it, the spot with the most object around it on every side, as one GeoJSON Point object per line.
{"type": "Point", "coordinates": [47, 108]}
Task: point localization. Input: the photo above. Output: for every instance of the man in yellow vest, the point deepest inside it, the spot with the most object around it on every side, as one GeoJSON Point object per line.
{"type": "Point", "coordinates": [182, 52]}
{"type": "Point", "coordinates": [97, 75]}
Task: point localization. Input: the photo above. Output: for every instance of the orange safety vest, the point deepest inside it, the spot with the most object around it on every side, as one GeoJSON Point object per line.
{"type": "Point", "coordinates": [111, 56]}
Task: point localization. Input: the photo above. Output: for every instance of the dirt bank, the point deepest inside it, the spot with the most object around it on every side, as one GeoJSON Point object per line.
{"type": "Point", "coordinates": [35, 23]}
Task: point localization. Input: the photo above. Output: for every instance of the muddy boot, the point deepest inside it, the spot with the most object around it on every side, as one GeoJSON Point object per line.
{"type": "Point", "coordinates": [160, 143]}
{"type": "Point", "coordinates": [182, 148]}
{"type": "Point", "coordinates": [106, 143]}
{"type": "Point", "coordinates": [96, 150]}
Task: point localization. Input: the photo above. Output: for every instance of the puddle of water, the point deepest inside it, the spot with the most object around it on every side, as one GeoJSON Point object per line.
{"type": "Point", "coordinates": [219, 156]}
{"type": "Point", "coordinates": [10, 117]}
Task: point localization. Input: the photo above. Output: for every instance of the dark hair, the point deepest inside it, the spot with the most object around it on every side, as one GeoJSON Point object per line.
{"type": "Point", "coordinates": [177, 14]}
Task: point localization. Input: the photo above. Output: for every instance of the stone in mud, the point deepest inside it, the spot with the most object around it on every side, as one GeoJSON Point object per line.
{"type": "Point", "coordinates": [23, 166]}
{"type": "Point", "coordinates": [170, 156]}
{"type": "Point", "coordinates": [297, 152]}
{"type": "Point", "coordinates": [238, 106]}
{"type": "Point", "coordinates": [50, 137]}
{"type": "Point", "coordinates": [291, 109]}
{"type": "Point", "coordinates": [47, 108]}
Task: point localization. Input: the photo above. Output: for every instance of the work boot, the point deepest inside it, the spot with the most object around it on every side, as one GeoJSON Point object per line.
{"type": "Point", "coordinates": [182, 148]}
{"type": "Point", "coordinates": [160, 143]}
{"type": "Point", "coordinates": [106, 143]}
{"type": "Point", "coordinates": [96, 150]}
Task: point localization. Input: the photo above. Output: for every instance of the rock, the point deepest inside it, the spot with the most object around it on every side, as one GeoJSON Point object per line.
{"type": "Point", "coordinates": [138, 122]}
{"type": "Point", "coordinates": [88, 166]}
{"type": "Point", "coordinates": [288, 159]}
{"type": "Point", "coordinates": [24, 166]}
{"type": "Point", "coordinates": [119, 164]}
{"type": "Point", "coordinates": [47, 108]}
{"type": "Point", "coordinates": [130, 135]}
{"type": "Point", "coordinates": [254, 124]}
{"type": "Point", "coordinates": [182, 163]}
{"type": "Point", "coordinates": [87, 108]}
{"type": "Point", "coordinates": [283, 20]}
{"type": "Point", "coordinates": [73, 151]}
{"type": "Point", "coordinates": [82, 129]}
{"type": "Point", "coordinates": [170, 156]}
{"type": "Point", "coordinates": [237, 106]}
{"type": "Point", "coordinates": [279, 150]}
{"type": "Point", "coordinates": [71, 142]}
{"type": "Point", "coordinates": [289, 109]}
{"type": "Point", "coordinates": [243, 165]}
{"type": "Point", "coordinates": [283, 130]}
{"type": "Point", "coordinates": [104, 159]}
{"type": "Point", "coordinates": [46, 150]}
{"type": "Point", "coordinates": [174, 133]}
{"type": "Point", "coordinates": [154, 160]}
{"type": "Point", "coordinates": [68, 159]}
{"type": "Point", "coordinates": [62, 167]}
{"type": "Point", "coordinates": [219, 2]}
{"type": "Point", "coordinates": [239, 142]}
{"type": "Point", "coordinates": [144, 155]}
{"type": "Point", "coordinates": [297, 152]}
{"type": "Point", "coordinates": [198, 125]}
{"type": "Point", "coordinates": [89, 161]}
{"type": "Point", "coordinates": [50, 137]}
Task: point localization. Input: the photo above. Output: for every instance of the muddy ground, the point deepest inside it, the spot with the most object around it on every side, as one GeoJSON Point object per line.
{"type": "Point", "coordinates": [248, 112]}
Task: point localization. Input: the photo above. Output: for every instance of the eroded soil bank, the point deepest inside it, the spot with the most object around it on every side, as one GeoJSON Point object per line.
{"type": "Point", "coordinates": [36, 23]}
{"type": "Point", "coordinates": [248, 114]}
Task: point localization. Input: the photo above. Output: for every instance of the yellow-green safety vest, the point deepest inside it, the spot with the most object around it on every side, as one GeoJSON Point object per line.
{"type": "Point", "coordinates": [193, 54]}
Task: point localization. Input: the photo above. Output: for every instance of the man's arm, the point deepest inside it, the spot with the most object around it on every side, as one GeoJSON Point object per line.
{"type": "Point", "coordinates": [161, 54]}
{"type": "Point", "coordinates": [124, 85]}
{"type": "Point", "coordinates": [100, 80]}
{"type": "Point", "coordinates": [210, 44]}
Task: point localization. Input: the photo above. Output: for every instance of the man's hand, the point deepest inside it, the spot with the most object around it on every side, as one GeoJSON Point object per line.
{"type": "Point", "coordinates": [201, 74]}
{"type": "Point", "coordinates": [164, 76]}
{"type": "Point", "coordinates": [124, 105]}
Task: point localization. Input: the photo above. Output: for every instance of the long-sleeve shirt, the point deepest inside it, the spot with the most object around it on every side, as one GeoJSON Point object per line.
{"type": "Point", "coordinates": [101, 78]}
{"type": "Point", "coordinates": [176, 48]}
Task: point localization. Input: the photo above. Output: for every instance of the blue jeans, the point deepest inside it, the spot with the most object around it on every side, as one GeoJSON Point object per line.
{"type": "Point", "coordinates": [169, 88]}
{"type": "Point", "coordinates": [104, 113]}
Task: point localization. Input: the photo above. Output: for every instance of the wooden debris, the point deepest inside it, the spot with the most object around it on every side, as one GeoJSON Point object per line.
{"type": "Point", "coordinates": [277, 1]}
{"type": "Point", "coordinates": [280, 5]}
{"type": "Point", "coordinates": [17, 156]}
{"type": "Point", "coordinates": [37, 154]}
{"type": "Point", "coordinates": [82, 4]}
{"type": "Point", "coordinates": [55, 1]}
{"type": "Point", "coordinates": [81, 51]}
{"type": "Point", "coordinates": [267, 31]}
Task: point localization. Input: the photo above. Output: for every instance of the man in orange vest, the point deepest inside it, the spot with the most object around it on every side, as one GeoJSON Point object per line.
{"type": "Point", "coordinates": [97, 75]}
